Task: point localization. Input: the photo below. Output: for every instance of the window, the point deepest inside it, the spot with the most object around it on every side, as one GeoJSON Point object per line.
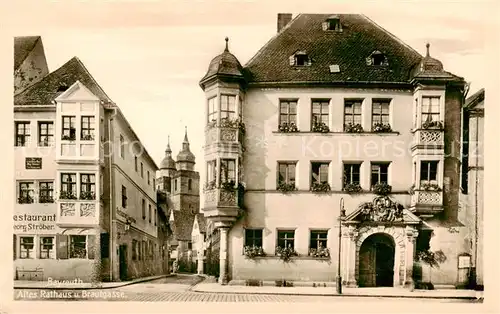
{"type": "Point", "coordinates": [428, 172]}
{"type": "Point", "coordinates": [175, 185]}
{"type": "Point", "coordinates": [154, 216]}
{"type": "Point", "coordinates": [430, 109]}
{"type": "Point", "coordinates": [190, 245]}
{"type": "Point", "coordinates": [332, 24]}
{"type": "Point", "coordinates": [319, 172]}
{"type": "Point", "coordinates": [380, 112]}
{"type": "Point", "coordinates": [122, 147]}
{"type": "Point", "coordinates": [68, 128]}
{"type": "Point", "coordinates": [227, 107]}
{"type": "Point", "coordinates": [211, 171]}
{"type": "Point", "coordinates": [68, 184]}
{"type": "Point", "coordinates": [288, 112]}
{"type": "Point", "coordinates": [253, 237]}
{"type": "Point", "coordinates": [154, 184]}
{"type": "Point", "coordinates": [143, 209]}
{"type": "Point", "coordinates": [134, 249]}
{"type": "Point", "coordinates": [45, 133]}
{"type": "Point", "coordinates": [88, 128]}
{"type": "Point", "coordinates": [377, 58]}
{"type": "Point", "coordinates": [286, 239]}
{"type": "Point", "coordinates": [27, 247]}
{"type": "Point", "coordinates": [319, 239]}
{"type": "Point", "coordinates": [351, 173]}
{"type": "Point", "coordinates": [26, 192]}
{"type": "Point", "coordinates": [379, 173]}
{"type": "Point", "coordinates": [124, 197]}
{"type": "Point", "coordinates": [149, 212]}
{"type": "Point", "coordinates": [87, 186]}
{"type": "Point", "coordinates": [135, 164]}
{"type": "Point", "coordinates": [22, 133]}
{"type": "Point", "coordinates": [228, 170]}
{"type": "Point", "coordinates": [46, 190]}
{"type": "Point", "coordinates": [319, 112]}
{"type": "Point", "coordinates": [142, 170]}
{"type": "Point", "coordinates": [190, 184]}
{"type": "Point", "coordinates": [47, 247]}
{"type": "Point", "coordinates": [78, 246]}
{"type": "Point", "coordinates": [352, 112]}
{"type": "Point", "coordinates": [212, 109]}
{"type": "Point", "coordinates": [300, 58]}
{"type": "Point", "coordinates": [286, 172]}
{"type": "Point", "coordinates": [148, 177]}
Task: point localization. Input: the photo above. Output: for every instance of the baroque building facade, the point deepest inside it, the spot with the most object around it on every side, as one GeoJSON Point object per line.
{"type": "Point", "coordinates": [334, 120]}
{"type": "Point", "coordinates": [85, 185]}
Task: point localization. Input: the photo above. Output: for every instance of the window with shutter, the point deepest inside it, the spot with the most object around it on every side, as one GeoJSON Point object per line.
{"type": "Point", "coordinates": [91, 246]}
{"type": "Point", "coordinates": [14, 249]}
{"type": "Point", "coordinates": [62, 246]}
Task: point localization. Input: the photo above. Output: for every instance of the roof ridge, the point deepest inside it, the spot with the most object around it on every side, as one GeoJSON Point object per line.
{"type": "Point", "coordinates": [272, 39]}
{"type": "Point", "coordinates": [92, 78]}
{"type": "Point", "coordinates": [391, 34]}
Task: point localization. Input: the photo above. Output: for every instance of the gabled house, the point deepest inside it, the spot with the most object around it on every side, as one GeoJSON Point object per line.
{"type": "Point", "coordinates": [198, 236]}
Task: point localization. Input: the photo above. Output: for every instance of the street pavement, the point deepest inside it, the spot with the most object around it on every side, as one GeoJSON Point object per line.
{"type": "Point", "coordinates": [178, 289]}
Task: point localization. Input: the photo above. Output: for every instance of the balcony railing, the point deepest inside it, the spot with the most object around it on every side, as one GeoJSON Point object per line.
{"type": "Point", "coordinates": [75, 212]}
{"type": "Point", "coordinates": [428, 137]}
{"type": "Point", "coordinates": [427, 198]}
{"type": "Point", "coordinates": [228, 131]}
{"type": "Point", "coordinates": [218, 197]}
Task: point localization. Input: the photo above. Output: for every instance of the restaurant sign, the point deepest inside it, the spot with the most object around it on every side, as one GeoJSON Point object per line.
{"type": "Point", "coordinates": [34, 223]}
{"type": "Point", "coordinates": [33, 163]}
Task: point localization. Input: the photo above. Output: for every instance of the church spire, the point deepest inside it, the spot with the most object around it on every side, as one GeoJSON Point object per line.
{"type": "Point", "coordinates": [168, 150]}
{"type": "Point", "coordinates": [185, 154]}
{"type": "Point", "coordinates": [168, 162]}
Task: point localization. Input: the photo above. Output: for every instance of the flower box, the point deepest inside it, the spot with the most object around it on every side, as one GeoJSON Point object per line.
{"type": "Point", "coordinates": [67, 195]}
{"type": "Point", "coordinates": [46, 199]}
{"type": "Point", "coordinates": [25, 200]}
{"type": "Point", "coordinates": [288, 128]}
{"type": "Point", "coordinates": [382, 188]}
{"type": "Point", "coordinates": [253, 251]}
{"type": "Point", "coordinates": [352, 188]}
{"type": "Point", "coordinates": [320, 187]}
{"type": "Point", "coordinates": [434, 125]}
{"type": "Point", "coordinates": [381, 128]}
{"type": "Point", "coordinates": [87, 195]}
{"type": "Point", "coordinates": [429, 187]}
{"type": "Point", "coordinates": [285, 253]}
{"type": "Point", "coordinates": [321, 252]}
{"type": "Point", "coordinates": [286, 187]}
{"type": "Point", "coordinates": [320, 127]}
{"type": "Point", "coordinates": [353, 128]}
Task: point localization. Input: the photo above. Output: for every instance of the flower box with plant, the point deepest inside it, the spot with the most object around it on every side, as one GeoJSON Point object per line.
{"type": "Point", "coordinates": [67, 195]}
{"type": "Point", "coordinates": [320, 187]}
{"type": "Point", "coordinates": [229, 185]}
{"type": "Point", "coordinates": [87, 137]}
{"type": "Point", "coordinates": [433, 125]}
{"type": "Point", "coordinates": [68, 138]}
{"type": "Point", "coordinates": [286, 187]}
{"type": "Point", "coordinates": [211, 124]}
{"type": "Point", "coordinates": [210, 185]}
{"type": "Point", "coordinates": [46, 199]}
{"type": "Point", "coordinates": [382, 188]}
{"type": "Point", "coordinates": [352, 188]}
{"type": "Point", "coordinates": [288, 128]}
{"type": "Point", "coordinates": [285, 253]}
{"type": "Point", "coordinates": [87, 195]}
{"type": "Point", "coordinates": [382, 128]}
{"type": "Point", "coordinates": [320, 127]}
{"type": "Point", "coordinates": [427, 186]}
{"type": "Point", "coordinates": [353, 128]}
{"type": "Point", "coordinates": [432, 260]}
{"type": "Point", "coordinates": [26, 199]}
{"type": "Point", "coordinates": [252, 251]}
{"type": "Point", "coordinates": [321, 252]}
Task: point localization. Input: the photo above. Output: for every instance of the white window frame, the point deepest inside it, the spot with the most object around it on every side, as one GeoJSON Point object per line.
{"type": "Point", "coordinates": [19, 245]}
{"type": "Point", "coordinates": [53, 252]}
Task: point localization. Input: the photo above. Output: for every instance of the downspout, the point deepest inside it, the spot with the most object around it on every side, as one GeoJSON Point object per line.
{"type": "Point", "coordinates": [476, 184]}
{"type": "Point", "coordinates": [111, 198]}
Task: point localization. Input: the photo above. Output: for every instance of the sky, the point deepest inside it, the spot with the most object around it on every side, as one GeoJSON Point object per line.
{"type": "Point", "coordinates": [149, 56]}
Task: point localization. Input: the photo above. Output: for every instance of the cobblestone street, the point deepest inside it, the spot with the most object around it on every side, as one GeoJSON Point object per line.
{"type": "Point", "coordinates": [177, 289]}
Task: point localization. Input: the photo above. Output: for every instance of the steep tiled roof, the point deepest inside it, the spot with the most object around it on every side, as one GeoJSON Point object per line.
{"type": "Point", "coordinates": [183, 225]}
{"type": "Point", "coordinates": [349, 49]}
{"type": "Point", "coordinates": [225, 64]}
{"type": "Point", "coordinates": [474, 99]}
{"type": "Point", "coordinates": [22, 47]}
{"type": "Point", "coordinates": [202, 222]}
{"type": "Point", "coordinates": [45, 91]}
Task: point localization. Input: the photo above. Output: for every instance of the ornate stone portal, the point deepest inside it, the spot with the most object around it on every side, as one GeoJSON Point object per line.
{"type": "Point", "coordinates": [382, 215]}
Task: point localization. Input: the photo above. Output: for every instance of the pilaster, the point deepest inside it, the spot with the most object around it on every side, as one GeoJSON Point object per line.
{"type": "Point", "coordinates": [223, 275]}
{"type": "Point", "coordinates": [351, 258]}
{"type": "Point", "coordinates": [410, 243]}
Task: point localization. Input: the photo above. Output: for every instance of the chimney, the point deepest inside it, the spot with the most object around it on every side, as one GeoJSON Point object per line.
{"type": "Point", "coordinates": [283, 20]}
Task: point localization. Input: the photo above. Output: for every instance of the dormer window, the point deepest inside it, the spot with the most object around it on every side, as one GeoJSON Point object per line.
{"type": "Point", "coordinates": [377, 58]}
{"type": "Point", "coordinates": [332, 24]}
{"type": "Point", "coordinates": [300, 58]}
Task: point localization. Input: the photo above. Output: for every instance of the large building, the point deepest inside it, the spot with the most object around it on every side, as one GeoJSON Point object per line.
{"type": "Point", "coordinates": [179, 184]}
{"type": "Point", "coordinates": [335, 114]}
{"type": "Point", "coordinates": [85, 184]}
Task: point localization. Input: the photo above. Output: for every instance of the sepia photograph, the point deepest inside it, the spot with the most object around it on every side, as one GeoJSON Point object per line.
{"type": "Point", "coordinates": [177, 152]}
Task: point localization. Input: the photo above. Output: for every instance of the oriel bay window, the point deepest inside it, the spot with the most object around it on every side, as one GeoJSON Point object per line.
{"type": "Point", "coordinates": [288, 112]}
{"type": "Point", "coordinates": [88, 128]}
{"type": "Point", "coordinates": [22, 133]}
{"type": "Point", "coordinates": [428, 172]}
{"type": "Point", "coordinates": [253, 237]}
{"type": "Point", "coordinates": [45, 134]}
{"type": "Point", "coordinates": [68, 186]}
{"type": "Point", "coordinates": [379, 173]}
{"type": "Point", "coordinates": [27, 247]}
{"type": "Point", "coordinates": [87, 186]}
{"type": "Point", "coordinates": [212, 110]}
{"type": "Point", "coordinates": [430, 109]}
{"type": "Point", "coordinates": [46, 192]}
{"type": "Point", "coordinates": [47, 247]}
{"type": "Point", "coordinates": [352, 113]}
{"type": "Point", "coordinates": [68, 128]}
{"type": "Point", "coordinates": [352, 174]}
{"type": "Point", "coordinates": [228, 170]}
{"type": "Point", "coordinates": [286, 239]}
{"type": "Point", "coordinates": [26, 192]}
{"type": "Point", "coordinates": [227, 107]}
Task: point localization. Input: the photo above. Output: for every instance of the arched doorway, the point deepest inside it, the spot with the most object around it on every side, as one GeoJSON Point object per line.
{"type": "Point", "coordinates": [376, 261]}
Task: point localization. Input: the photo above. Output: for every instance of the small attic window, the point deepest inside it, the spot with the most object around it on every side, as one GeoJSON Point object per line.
{"type": "Point", "coordinates": [377, 58]}
{"type": "Point", "coordinates": [300, 58]}
{"type": "Point", "coordinates": [332, 24]}
{"type": "Point", "coordinates": [62, 88]}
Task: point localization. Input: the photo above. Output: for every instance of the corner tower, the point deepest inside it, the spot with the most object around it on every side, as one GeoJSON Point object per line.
{"type": "Point", "coordinates": [223, 85]}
